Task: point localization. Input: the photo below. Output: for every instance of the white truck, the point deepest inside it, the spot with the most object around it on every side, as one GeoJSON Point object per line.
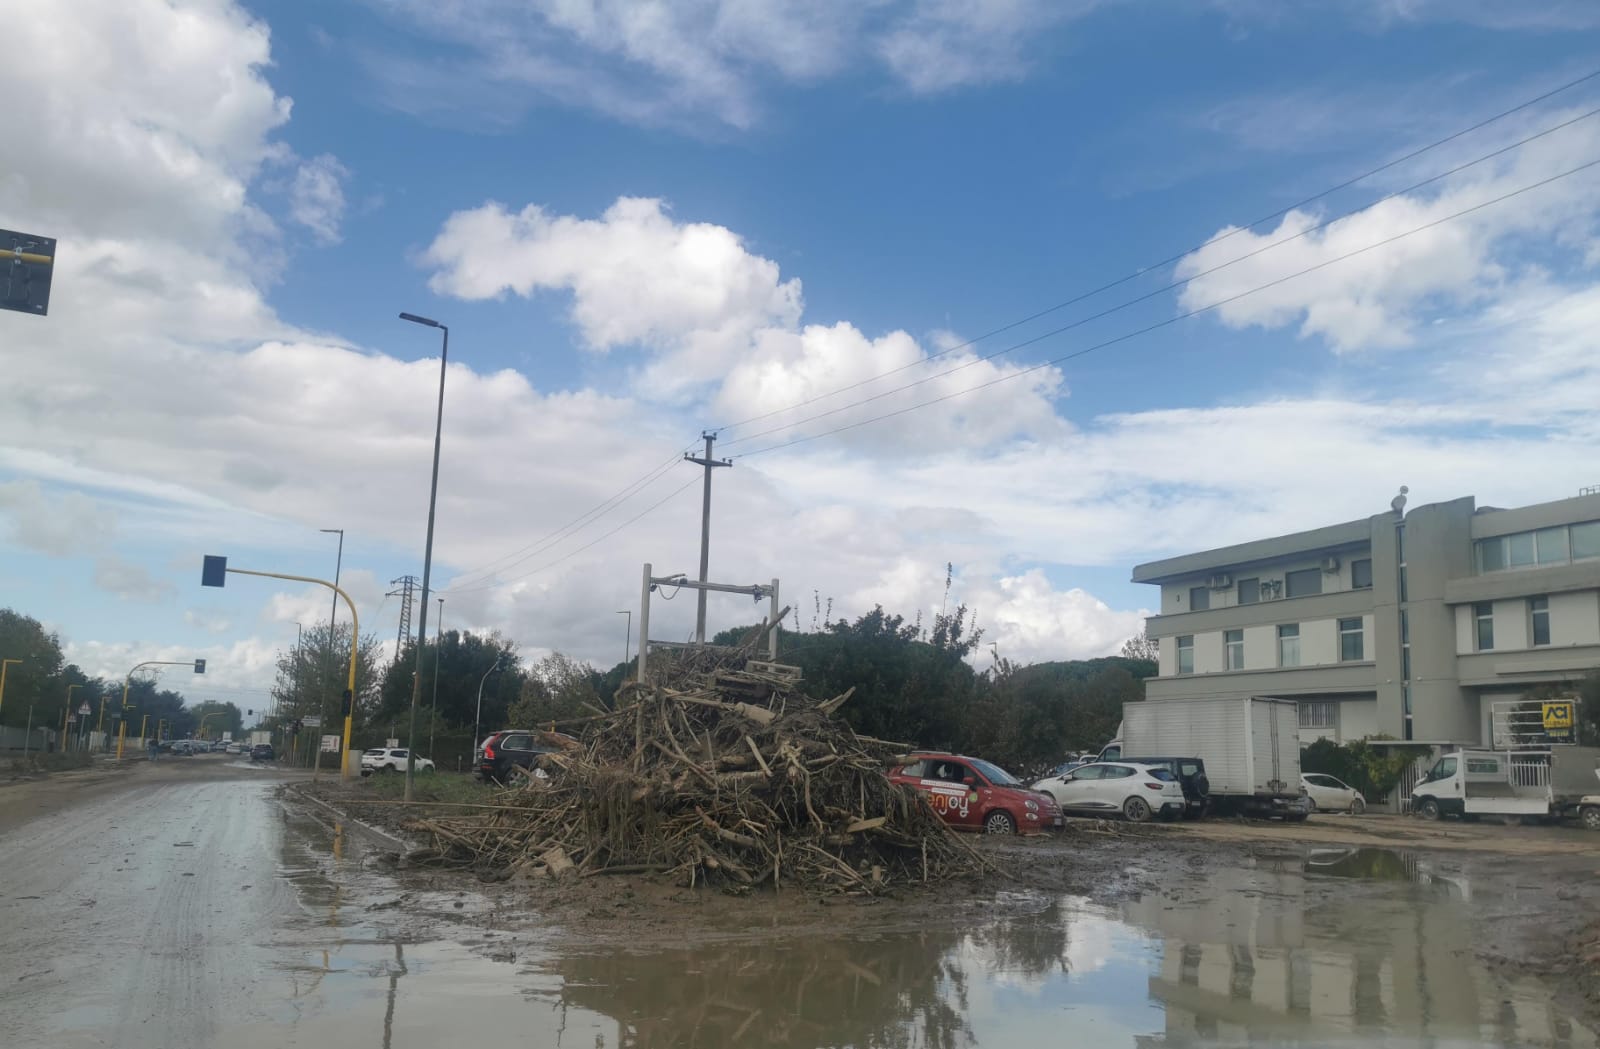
{"type": "Point", "coordinates": [1562, 782]}
{"type": "Point", "coordinates": [260, 736]}
{"type": "Point", "coordinates": [1250, 747]}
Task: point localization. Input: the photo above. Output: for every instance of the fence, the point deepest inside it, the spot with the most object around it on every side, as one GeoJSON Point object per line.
{"type": "Point", "coordinates": [42, 738]}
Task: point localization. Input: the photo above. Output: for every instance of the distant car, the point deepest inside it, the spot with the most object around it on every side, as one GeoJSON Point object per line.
{"type": "Point", "coordinates": [1331, 795]}
{"type": "Point", "coordinates": [237, 748]}
{"type": "Point", "coordinates": [521, 748]}
{"type": "Point", "coordinates": [384, 759]}
{"type": "Point", "coordinates": [975, 795]}
{"type": "Point", "coordinates": [1115, 788]}
{"type": "Point", "coordinates": [219, 746]}
{"type": "Point", "coordinates": [1191, 774]}
{"type": "Point", "coordinates": [263, 752]}
{"type": "Point", "coordinates": [185, 747]}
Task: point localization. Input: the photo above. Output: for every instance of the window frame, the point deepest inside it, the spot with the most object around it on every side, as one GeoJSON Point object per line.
{"type": "Point", "coordinates": [1354, 584]}
{"type": "Point", "coordinates": [1199, 599]}
{"type": "Point", "coordinates": [1538, 609]}
{"type": "Point", "coordinates": [1324, 714]}
{"type": "Point", "coordinates": [1483, 626]}
{"type": "Point", "coordinates": [1303, 574]}
{"type": "Point", "coordinates": [1359, 633]}
{"type": "Point", "coordinates": [1252, 586]}
{"type": "Point", "coordinates": [1231, 647]}
{"type": "Point", "coordinates": [1282, 637]}
{"type": "Point", "coordinates": [1181, 649]}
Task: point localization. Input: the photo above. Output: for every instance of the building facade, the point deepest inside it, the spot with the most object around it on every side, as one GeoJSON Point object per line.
{"type": "Point", "coordinates": [1409, 624]}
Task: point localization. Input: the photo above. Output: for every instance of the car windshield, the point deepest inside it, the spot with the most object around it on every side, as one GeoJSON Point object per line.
{"type": "Point", "coordinates": [995, 774]}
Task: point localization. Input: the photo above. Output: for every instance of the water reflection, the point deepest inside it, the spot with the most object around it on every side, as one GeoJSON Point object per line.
{"type": "Point", "coordinates": [1371, 864]}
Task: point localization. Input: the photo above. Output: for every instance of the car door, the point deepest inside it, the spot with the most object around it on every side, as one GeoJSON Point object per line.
{"type": "Point", "coordinates": [1078, 789]}
{"type": "Point", "coordinates": [952, 798]}
{"type": "Point", "coordinates": [1115, 783]}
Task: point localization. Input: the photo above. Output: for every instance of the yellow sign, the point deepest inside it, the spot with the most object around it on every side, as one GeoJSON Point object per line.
{"type": "Point", "coordinates": [1557, 716]}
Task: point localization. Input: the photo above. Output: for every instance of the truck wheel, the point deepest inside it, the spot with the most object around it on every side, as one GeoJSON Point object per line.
{"type": "Point", "coordinates": [1428, 809]}
{"type": "Point", "coordinates": [998, 822]}
{"type": "Point", "coordinates": [1357, 806]}
{"type": "Point", "coordinates": [1589, 816]}
{"type": "Point", "coordinates": [1136, 810]}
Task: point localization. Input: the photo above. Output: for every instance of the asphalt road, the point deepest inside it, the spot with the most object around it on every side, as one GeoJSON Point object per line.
{"type": "Point", "coordinates": [145, 914]}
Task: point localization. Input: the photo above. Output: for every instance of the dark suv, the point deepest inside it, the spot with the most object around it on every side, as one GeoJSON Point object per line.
{"type": "Point", "coordinates": [522, 747]}
{"type": "Point", "coordinates": [263, 752]}
{"type": "Point", "coordinates": [1191, 773]}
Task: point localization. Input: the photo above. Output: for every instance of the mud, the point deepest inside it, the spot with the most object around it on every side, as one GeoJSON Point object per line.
{"type": "Point", "coordinates": [198, 907]}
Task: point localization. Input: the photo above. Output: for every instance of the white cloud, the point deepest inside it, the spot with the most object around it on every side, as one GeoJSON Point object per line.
{"type": "Point", "coordinates": [316, 196]}
{"type": "Point", "coordinates": [209, 620]}
{"type": "Point", "coordinates": [671, 63]}
{"type": "Point", "coordinates": [1374, 299]}
{"type": "Point", "coordinates": [71, 523]}
{"type": "Point", "coordinates": [130, 582]}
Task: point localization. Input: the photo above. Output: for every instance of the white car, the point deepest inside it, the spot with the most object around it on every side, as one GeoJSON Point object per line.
{"type": "Point", "coordinates": [385, 759]}
{"type": "Point", "coordinates": [1110, 788]}
{"type": "Point", "coordinates": [1331, 795]}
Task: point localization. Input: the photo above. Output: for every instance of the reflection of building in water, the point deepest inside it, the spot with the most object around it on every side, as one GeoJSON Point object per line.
{"type": "Point", "coordinates": [1261, 962]}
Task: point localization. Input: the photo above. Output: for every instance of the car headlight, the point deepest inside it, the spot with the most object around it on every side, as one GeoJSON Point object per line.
{"type": "Point", "coordinates": [1031, 806]}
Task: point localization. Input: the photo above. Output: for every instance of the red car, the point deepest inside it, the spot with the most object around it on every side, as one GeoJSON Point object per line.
{"type": "Point", "coordinates": [971, 794]}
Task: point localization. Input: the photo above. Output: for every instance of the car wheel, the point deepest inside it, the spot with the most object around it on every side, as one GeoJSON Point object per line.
{"type": "Point", "coordinates": [1589, 816]}
{"type": "Point", "coordinates": [1357, 806]}
{"type": "Point", "coordinates": [998, 822]}
{"type": "Point", "coordinates": [1428, 809]}
{"type": "Point", "coordinates": [1311, 804]}
{"type": "Point", "coordinates": [1136, 810]}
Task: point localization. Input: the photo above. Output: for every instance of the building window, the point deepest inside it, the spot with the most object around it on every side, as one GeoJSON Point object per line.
{"type": "Point", "coordinates": [1483, 613]}
{"type": "Point", "coordinates": [1585, 540]}
{"type": "Point", "coordinates": [1318, 715]}
{"type": "Point", "coordinates": [1249, 590]}
{"type": "Point", "coordinates": [1199, 599]}
{"type": "Point", "coordinates": [1303, 583]}
{"type": "Point", "coordinates": [1289, 645]}
{"type": "Point", "coordinates": [1233, 646]}
{"type": "Point", "coordinates": [1186, 654]}
{"type": "Point", "coordinates": [1539, 619]}
{"type": "Point", "coordinates": [1351, 647]}
{"type": "Point", "coordinates": [1361, 573]}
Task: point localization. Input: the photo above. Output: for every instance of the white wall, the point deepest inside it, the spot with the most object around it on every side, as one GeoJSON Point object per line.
{"type": "Point", "coordinates": [1260, 647]}
{"type": "Point", "coordinates": [1166, 656]}
{"type": "Point", "coordinates": [1575, 618]}
{"type": "Point", "coordinates": [1511, 624]}
{"type": "Point", "coordinates": [1208, 656]}
{"type": "Point", "coordinates": [1464, 629]}
{"type": "Point", "coordinates": [1358, 718]}
{"type": "Point", "coordinates": [1319, 642]}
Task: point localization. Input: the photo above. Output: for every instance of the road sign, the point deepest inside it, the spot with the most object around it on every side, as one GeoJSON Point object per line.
{"type": "Point", "coordinates": [311, 721]}
{"type": "Point", "coordinates": [26, 263]}
{"type": "Point", "coordinates": [330, 744]}
{"type": "Point", "coordinates": [83, 708]}
{"type": "Point", "coordinates": [1557, 718]}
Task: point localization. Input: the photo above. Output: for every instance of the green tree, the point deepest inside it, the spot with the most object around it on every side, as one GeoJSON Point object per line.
{"type": "Point", "coordinates": [39, 679]}
{"type": "Point", "coordinates": [464, 660]}
{"type": "Point", "coordinates": [1141, 647]}
{"type": "Point", "coordinates": [312, 676]}
{"type": "Point", "coordinates": [218, 718]}
{"type": "Point", "coordinates": [558, 687]}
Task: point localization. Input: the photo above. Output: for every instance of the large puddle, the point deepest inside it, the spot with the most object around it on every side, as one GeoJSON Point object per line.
{"type": "Point", "coordinates": [1261, 955]}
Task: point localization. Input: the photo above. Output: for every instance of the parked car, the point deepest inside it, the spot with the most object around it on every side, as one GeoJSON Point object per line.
{"type": "Point", "coordinates": [1331, 795]}
{"type": "Point", "coordinates": [237, 748]}
{"type": "Point", "coordinates": [386, 759]}
{"type": "Point", "coordinates": [973, 794]}
{"type": "Point", "coordinates": [1110, 788]}
{"type": "Point", "coordinates": [1191, 774]}
{"type": "Point", "coordinates": [1070, 764]}
{"type": "Point", "coordinates": [263, 752]}
{"type": "Point", "coordinates": [219, 746]}
{"type": "Point", "coordinates": [515, 747]}
{"type": "Point", "coordinates": [185, 747]}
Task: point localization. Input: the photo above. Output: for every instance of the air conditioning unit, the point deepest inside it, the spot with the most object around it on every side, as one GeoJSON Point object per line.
{"type": "Point", "coordinates": [1220, 582]}
{"type": "Point", "coordinates": [1330, 564]}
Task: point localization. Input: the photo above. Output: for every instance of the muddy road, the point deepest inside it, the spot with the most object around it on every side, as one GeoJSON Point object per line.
{"type": "Point", "coordinates": [199, 904]}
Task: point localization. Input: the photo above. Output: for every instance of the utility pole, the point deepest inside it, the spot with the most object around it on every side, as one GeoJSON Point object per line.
{"type": "Point", "coordinates": [705, 531]}
{"type": "Point", "coordinates": [407, 585]}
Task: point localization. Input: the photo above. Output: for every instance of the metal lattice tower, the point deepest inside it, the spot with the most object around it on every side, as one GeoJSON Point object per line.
{"type": "Point", "coordinates": [407, 586]}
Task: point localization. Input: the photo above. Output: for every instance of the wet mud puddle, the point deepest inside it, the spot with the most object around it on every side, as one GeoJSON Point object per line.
{"type": "Point", "coordinates": [1331, 947]}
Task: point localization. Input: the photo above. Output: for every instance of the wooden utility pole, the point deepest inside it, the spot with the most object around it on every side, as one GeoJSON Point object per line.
{"type": "Point", "coordinates": [705, 531]}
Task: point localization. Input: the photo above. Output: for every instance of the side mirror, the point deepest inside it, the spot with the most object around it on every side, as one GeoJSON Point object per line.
{"type": "Point", "coordinates": [970, 780]}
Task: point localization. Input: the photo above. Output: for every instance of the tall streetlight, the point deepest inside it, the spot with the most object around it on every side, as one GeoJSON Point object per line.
{"type": "Point", "coordinates": [122, 722]}
{"type": "Point", "coordinates": [427, 552]}
{"type": "Point", "coordinates": [477, 719]}
{"type": "Point", "coordinates": [627, 640]}
{"type": "Point", "coordinates": [433, 713]}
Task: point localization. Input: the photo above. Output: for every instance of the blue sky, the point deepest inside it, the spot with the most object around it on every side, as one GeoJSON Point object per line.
{"type": "Point", "coordinates": [643, 221]}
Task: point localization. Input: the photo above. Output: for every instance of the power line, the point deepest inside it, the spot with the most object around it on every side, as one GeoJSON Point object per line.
{"type": "Point", "coordinates": [1141, 271]}
{"type": "Point", "coordinates": [1179, 317]}
{"type": "Point", "coordinates": [1108, 311]}
{"type": "Point", "coordinates": [484, 573]}
{"type": "Point", "coordinates": [573, 553]}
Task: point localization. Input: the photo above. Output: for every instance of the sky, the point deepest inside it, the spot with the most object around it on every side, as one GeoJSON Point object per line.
{"type": "Point", "coordinates": [1036, 290]}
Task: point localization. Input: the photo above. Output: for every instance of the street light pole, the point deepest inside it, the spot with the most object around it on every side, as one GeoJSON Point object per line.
{"type": "Point", "coordinates": [438, 640]}
{"type": "Point", "coordinates": [122, 722]}
{"type": "Point", "coordinates": [4, 663]}
{"type": "Point", "coordinates": [477, 719]}
{"type": "Point", "coordinates": [338, 563]}
{"type": "Point", "coordinates": [627, 641]}
{"type": "Point", "coordinates": [427, 550]}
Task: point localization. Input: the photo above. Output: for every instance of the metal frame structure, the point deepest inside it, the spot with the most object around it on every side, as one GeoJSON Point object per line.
{"type": "Point", "coordinates": [755, 590]}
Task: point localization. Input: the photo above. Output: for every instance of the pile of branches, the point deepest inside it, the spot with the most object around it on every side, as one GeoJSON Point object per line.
{"type": "Point", "coordinates": [719, 770]}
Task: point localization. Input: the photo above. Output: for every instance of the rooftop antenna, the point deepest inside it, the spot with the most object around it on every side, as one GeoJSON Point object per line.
{"type": "Point", "coordinates": [1398, 503]}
